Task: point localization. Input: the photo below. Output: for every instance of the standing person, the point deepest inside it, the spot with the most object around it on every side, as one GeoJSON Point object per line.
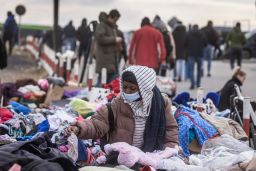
{"type": "Point", "coordinates": [141, 115]}
{"type": "Point", "coordinates": [69, 32]}
{"type": "Point", "coordinates": [195, 44]}
{"type": "Point", "coordinates": [236, 40]}
{"type": "Point", "coordinates": [3, 56]}
{"type": "Point", "coordinates": [144, 46]}
{"type": "Point", "coordinates": [179, 35]}
{"type": "Point", "coordinates": [169, 43]}
{"type": "Point", "coordinates": [83, 35]}
{"type": "Point", "coordinates": [212, 42]}
{"type": "Point", "coordinates": [107, 40]}
{"type": "Point", "coordinates": [10, 31]}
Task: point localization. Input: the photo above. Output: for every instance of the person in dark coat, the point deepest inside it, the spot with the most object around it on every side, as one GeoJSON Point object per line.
{"type": "Point", "coordinates": [212, 42]}
{"type": "Point", "coordinates": [3, 56]}
{"type": "Point", "coordinates": [179, 35]}
{"type": "Point", "coordinates": [106, 42]}
{"type": "Point", "coordinates": [10, 31]}
{"type": "Point", "coordinates": [69, 36]}
{"type": "Point", "coordinates": [228, 89]}
{"type": "Point", "coordinates": [83, 35]}
{"type": "Point", "coordinates": [195, 44]}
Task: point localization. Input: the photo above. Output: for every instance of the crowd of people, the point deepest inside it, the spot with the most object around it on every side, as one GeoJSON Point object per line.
{"type": "Point", "coordinates": [182, 49]}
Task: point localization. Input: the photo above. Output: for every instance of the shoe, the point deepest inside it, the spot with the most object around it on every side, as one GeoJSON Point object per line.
{"type": "Point", "coordinates": [209, 75]}
{"type": "Point", "coordinates": [192, 88]}
{"type": "Point", "coordinates": [179, 79]}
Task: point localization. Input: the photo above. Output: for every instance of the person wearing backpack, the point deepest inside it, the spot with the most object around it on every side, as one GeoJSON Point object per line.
{"type": "Point", "coordinates": [140, 116]}
{"type": "Point", "coordinates": [169, 43]}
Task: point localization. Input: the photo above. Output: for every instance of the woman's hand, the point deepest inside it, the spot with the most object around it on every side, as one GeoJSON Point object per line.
{"type": "Point", "coordinates": [73, 128]}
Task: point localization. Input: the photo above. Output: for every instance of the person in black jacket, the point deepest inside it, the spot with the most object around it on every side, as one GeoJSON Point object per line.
{"type": "Point", "coordinates": [228, 90]}
{"type": "Point", "coordinates": [10, 31]}
{"type": "Point", "coordinates": [179, 35]}
{"type": "Point", "coordinates": [69, 33]}
{"type": "Point", "coordinates": [195, 44]}
{"type": "Point", "coordinates": [3, 56]}
{"type": "Point", "coordinates": [83, 35]}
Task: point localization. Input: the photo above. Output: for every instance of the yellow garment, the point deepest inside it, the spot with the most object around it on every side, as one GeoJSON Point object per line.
{"type": "Point", "coordinates": [82, 107]}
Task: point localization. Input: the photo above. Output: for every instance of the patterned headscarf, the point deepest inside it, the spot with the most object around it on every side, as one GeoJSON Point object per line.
{"type": "Point", "coordinates": [146, 79]}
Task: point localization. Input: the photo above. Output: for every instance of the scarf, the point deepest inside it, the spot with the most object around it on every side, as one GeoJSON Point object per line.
{"type": "Point", "coordinates": [150, 107]}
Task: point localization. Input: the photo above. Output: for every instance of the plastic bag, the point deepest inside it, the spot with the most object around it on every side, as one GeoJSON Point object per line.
{"type": "Point", "coordinates": [221, 153]}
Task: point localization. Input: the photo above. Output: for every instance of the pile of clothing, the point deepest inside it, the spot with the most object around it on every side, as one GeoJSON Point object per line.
{"type": "Point", "coordinates": [197, 127]}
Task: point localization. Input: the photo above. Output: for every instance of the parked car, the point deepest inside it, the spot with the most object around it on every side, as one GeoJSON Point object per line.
{"type": "Point", "coordinates": [249, 49]}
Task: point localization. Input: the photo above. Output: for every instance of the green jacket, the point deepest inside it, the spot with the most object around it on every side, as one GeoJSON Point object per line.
{"type": "Point", "coordinates": [236, 38]}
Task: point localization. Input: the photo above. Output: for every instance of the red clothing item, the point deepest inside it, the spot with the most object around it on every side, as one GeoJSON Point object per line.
{"type": "Point", "coordinates": [5, 115]}
{"type": "Point", "coordinates": [144, 47]}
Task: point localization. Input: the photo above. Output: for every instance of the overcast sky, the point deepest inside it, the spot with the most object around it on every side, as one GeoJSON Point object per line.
{"type": "Point", "coordinates": [189, 11]}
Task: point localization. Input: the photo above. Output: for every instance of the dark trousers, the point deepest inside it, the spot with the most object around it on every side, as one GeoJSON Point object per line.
{"type": "Point", "coordinates": [192, 61]}
{"type": "Point", "coordinates": [235, 54]}
{"type": "Point", "coordinates": [10, 40]}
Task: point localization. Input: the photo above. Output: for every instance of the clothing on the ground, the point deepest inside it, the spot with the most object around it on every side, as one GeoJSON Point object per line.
{"type": "Point", "coordinates": [190, 120]}
{"type": "Point", "coordinates": [226, 126]}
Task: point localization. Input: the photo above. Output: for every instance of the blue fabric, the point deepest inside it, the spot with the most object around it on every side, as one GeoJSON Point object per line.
{"type": "Point", "coordinates": [182, 98]}
{"type": "Point", "coordinates": [215, 97]}
{"type": "Point", "coordinates": [43, 126]}
{"type": "Point", "coordinates": [19, 108]}
{"type": "Point", "coordinates": [82, 151]}
{"type": "Point", "coordinates": [24, 138]}
{"type": "Point", "coordinates": [202, 129]}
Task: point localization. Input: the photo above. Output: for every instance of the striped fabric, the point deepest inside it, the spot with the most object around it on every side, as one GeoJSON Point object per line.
{"type": "Point", "coordinates": [146, 79]}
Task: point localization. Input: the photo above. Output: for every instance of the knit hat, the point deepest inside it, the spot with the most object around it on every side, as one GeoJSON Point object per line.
{"type": "Point", "coordinates": [128, 76]}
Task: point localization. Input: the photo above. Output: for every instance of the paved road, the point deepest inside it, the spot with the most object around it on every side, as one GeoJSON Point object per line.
{"type": "Point", "coordinates": [221, 72]}
{"type": "Point", "coordinates": [21, 66]}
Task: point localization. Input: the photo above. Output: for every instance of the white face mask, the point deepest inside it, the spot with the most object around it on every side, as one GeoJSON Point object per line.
{"type": "Point", "coordinates": [132, 97]}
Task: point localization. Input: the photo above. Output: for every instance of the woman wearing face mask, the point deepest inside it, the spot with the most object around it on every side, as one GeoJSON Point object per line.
{"type": "Point", "coordinates": [142, 116]}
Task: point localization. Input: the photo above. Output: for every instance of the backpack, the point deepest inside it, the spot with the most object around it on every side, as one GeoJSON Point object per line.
{"type": "Point", "coordinates": [105, 139]}
{"type": "Point", "coordinates": [167, 43]}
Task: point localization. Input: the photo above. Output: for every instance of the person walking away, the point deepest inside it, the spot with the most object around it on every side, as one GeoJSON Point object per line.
{"type": "Point", "coordinates": [106, 50]}
{"type": "Point", "coordinates": [69, 37]}
{"type": "Point", "coordinates": [195, 44]}
{"type": "Point", "coordinates": [236, 40]}
{"type": "Point", "coordinates": [144, 46]}
{"type": "Point", "coordinates": [179, 35]}
{"type": "Point", "coordinates": [212, 42]}
{"type": "Point", "coordinates": [10, 32]}
{"type": "Point", "coordinates": [83, 35]}
{"type": "Point", "coordinates": [168, 43]}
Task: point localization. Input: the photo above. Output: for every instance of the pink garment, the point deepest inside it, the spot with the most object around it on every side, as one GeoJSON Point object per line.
{"type": "Point", "coordinates": [129, 155]}
{"type": "Point", "coordinates": [63, 148]}
{"type": "Point", "coordinates": [43, 84]}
